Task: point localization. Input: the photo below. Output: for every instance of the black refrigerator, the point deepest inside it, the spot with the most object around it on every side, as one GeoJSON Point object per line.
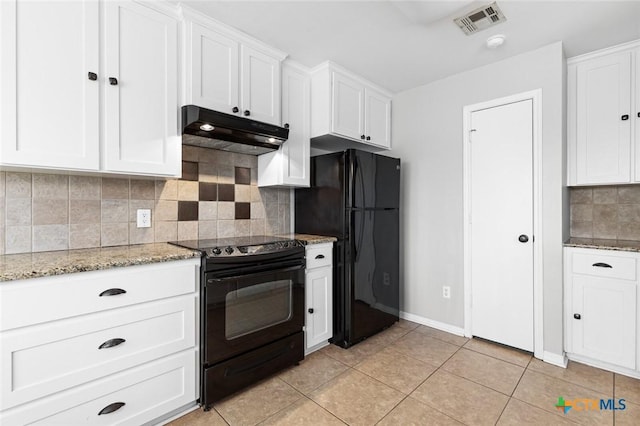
{"type": "Point", "coordinates": [354, 196]}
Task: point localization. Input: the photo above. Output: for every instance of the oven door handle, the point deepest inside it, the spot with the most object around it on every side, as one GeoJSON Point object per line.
{"type": "Point", "coordinates": [260, 271]}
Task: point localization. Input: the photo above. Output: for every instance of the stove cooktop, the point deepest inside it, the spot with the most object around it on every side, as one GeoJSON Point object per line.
{"type": "Point", "coordinates": [239, 246]}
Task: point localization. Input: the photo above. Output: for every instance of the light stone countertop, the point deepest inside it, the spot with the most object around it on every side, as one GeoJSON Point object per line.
{"type": "Point", "coordinates": [34, 265]}
{"type": "Point", "coordinates": [308, 239]}
{"type": "Point", "coordinates": [594, 243]}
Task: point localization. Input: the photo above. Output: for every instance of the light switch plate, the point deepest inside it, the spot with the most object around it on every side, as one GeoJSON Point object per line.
{"type": "Point", "coordinates": [144, 218]}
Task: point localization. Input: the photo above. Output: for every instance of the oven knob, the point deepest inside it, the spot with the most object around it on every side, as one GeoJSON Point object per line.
{"type": "Point", "coordinates": [229, 250]}
{"type": "Point", "coordinates": [217, 251]}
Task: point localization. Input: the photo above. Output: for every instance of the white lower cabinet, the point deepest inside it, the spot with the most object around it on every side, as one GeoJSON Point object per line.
{"type": "Point", "coordinates": [319, 296]}
{"type": "Point", "coordinates": [132, 360]}
{"type": "Point", "coordinates": [601, 307]}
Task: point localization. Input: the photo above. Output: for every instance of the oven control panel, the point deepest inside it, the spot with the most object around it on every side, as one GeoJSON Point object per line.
{"type": "Point", "coordinates": [248, 250]}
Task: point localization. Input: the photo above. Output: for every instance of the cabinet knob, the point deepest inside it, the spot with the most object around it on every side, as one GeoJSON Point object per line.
{"type": "Point", "coordinates": [639, 115]}
{"type": "Point", "coordinates": [625, 117]}
{"type": "Point", "coordinates": [247, 113]}
{"type": "Point", "coordinates": [368, 138]}
{"type": "Point", "coordinates": [361, 136]}
{"type": "Point", "coordinates": [310, 310]}
{"type": "Point", "coordinates": [93, 76]}
{"type": "Point", "coordinates": [113, 81]}
{"type": "Point", "coordinates": [523, 238]}
{"type": "Point", "coordinates": [286, 125]}
{"type": "Point", "coordinates": [111, 408]}
{"type": "Point", "coordinates": [235, 109]}
{"type": "Point", "coordinates": [577, 316]}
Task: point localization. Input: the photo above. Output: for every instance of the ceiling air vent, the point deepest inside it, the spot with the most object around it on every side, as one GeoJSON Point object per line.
{"type": "Point", "coordinates": [480, 19]}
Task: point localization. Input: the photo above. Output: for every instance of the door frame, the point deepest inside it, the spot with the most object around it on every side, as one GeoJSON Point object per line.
{"type": "Point", "coordinates": [538, 312]}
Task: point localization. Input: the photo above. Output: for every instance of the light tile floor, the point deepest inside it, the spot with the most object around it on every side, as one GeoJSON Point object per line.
{"type": "Point", "coordinates": [415, 375]}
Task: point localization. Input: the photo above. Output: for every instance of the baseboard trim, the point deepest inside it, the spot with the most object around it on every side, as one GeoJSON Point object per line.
{"type": "Point", "coordinates": [559, 360]}
{"type": "Point", "coordinates": [604, 366]}
{"type": "Point", "coordinates": [459, 331]}
{"type": "Point", "coordinates": [175, 414]}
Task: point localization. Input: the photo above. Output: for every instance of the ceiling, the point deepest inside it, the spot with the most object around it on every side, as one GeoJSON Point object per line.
{"type": "Point", "coordinates": [404, 44]}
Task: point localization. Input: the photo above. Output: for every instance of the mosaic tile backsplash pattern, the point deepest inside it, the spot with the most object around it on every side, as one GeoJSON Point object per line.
{"type": "Point", "coordinates": [217, 197]}
{"type": "Point", "coordinates": [608, 212]}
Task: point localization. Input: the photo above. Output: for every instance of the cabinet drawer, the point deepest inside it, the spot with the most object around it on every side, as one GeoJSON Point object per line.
{"type": "Point", "coordinates": [148, 392]}
{"type": "Point", "coordinates": [41, 360]}
{"type": "Point", "coordinates": [318, 256]}
{"type": "Point", "coordinates": [604, 265]}
{"type": "Point", "coordinates": [64, 296]}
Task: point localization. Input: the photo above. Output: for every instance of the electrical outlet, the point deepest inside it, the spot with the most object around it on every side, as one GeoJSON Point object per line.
{"type": "Point", "coordinates": [446, 292]}
{"type": "Point", "coordinates": [144, 218]}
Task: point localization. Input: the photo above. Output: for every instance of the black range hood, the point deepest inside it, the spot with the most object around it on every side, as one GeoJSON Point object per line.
{"type": "Point", "coordinates": [212, 129]}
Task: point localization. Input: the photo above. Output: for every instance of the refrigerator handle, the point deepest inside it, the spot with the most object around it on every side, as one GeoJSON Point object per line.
{"type": "Point", "coordinates": [352, 177]}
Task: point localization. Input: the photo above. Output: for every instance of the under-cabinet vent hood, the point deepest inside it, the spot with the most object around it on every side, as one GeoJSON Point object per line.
{"type": "Point", "coordinates": [212, 129]}
{"type": "Point", "coordinates": [480, 19]}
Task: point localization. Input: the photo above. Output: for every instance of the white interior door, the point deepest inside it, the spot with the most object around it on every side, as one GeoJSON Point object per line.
{"type": "Point", "coordinates": [501, 202]}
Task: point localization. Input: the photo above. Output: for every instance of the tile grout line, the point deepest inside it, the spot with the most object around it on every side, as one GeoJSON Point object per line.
{"type": "Point", "coordinates": [513, 391]}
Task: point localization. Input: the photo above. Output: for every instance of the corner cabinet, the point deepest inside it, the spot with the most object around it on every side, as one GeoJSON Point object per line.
{"type": "Point", "coordinates": [229, 72]}
{"type": "Point", "coordinates": [289, 166]}
{"type": "Point", "coordinates": [101, 347]}
{"type": "Point", "coordinates": [601, 315]}
{"type": "Point", "coordinates": [349, 107]}
{"type": "Point", "coordinates": [603, 123]}
{"type": "Point", "coordinates": [51, 113]}
{"type": "Point", "coordinates": [319, 296]}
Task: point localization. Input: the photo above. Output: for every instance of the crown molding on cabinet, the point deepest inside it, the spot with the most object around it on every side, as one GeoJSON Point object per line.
{"type": "Point", "coordinates": [605, 51]}
{"type": "Point", "coordinates": [335, 67]}
{"type": "Point", "coordinates": [193, 15]}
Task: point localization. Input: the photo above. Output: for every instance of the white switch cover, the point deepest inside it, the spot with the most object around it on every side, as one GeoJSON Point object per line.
{"type": "Point", "coordinates": [144, 218]}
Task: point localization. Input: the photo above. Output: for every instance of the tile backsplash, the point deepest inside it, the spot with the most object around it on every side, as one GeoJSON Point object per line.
{"type": "Point", "coordinates": [609, 212]}
{"type": "Point", "coordinates": [217, 196]}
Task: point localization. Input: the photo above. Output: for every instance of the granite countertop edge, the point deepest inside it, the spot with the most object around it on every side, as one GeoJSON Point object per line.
{"type": "Point", "coordinates": [14, 267]}
{"type": "Point", "coordinates": [308, 239]}
{"type": "Point", "coordinates": [604, 244]}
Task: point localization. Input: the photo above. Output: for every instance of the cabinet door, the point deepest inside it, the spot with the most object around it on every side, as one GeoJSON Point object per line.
{"type": "Point", "coordinates": [347, 109]}
{"type": "Point", "coordinates": [606, 328]}
{"type": "Point", "coordinates": [296, 114]}
{"type": "Point", "coordinates": [49, 112]}
{"type": "Point", "coordinates": [260, 86]}
{"type": "Point", "coordinates": [141, 103]}
{"type": "Point", "coordinates": [635, 115]}
{"type": "Point", "coordinates": [319, 317]}
{"type": "Point", "coordinates": [377, 118]}
{"type": "Point", "coordinates": [603, 136]}
{"type": "Point", "coordinates": [214, 70]}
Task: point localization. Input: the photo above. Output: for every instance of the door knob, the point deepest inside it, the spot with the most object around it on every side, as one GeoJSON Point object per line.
{"type": "Point", "coordinates": [523, 238]}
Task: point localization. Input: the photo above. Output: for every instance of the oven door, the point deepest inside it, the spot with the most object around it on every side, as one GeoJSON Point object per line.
{"type": "Point", "coordinates": [244, 312]}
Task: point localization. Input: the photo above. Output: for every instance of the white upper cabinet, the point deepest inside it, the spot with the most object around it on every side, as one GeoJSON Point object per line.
{"type": "Point", "coordinates": [227, 71]}
{"type": "Point", "coordinates": [61, 81]}
{"type": "Point", "coordinates": [214, 70]}
{"type": "Point", "coordinates": [347, 107]}
{"type": "Point", "coordinates": [141, 90]}
{"type": "Point", "coordinates": [289, 166]}
{"type": "Point", "coordinates": [49, 108]}
{"type": "Point", "coordinates": [260, 86]}
{"type": "Point", "coordinates": [602, 116]}
{"type": "Point", "coordinates": [377, 109]}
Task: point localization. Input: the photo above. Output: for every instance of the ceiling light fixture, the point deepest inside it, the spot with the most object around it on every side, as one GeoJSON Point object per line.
{"type": "Point", "coordinates": [207, 127]}
{"type": "Point", "coordinates": [495, 41]}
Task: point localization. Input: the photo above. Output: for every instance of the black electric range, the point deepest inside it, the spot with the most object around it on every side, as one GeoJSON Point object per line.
{"type": "Point", "coordinates": [251, 311]}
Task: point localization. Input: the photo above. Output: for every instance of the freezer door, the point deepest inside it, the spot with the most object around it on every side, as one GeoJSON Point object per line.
{"type": "Point", "coordinates": [373, 272]}
{"type": "Point", "coordinates": [374, 180]}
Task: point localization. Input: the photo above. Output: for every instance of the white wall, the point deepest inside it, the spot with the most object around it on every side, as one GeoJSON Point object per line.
{"type": "Point", "coordinates": [427, 136]}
